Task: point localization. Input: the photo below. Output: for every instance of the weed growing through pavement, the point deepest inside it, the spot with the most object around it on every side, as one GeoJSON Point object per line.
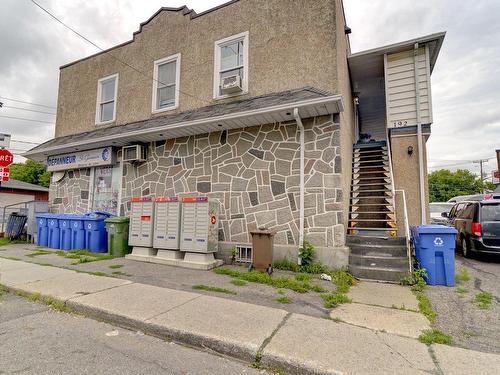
{"type": "Point", "coordinates": [38, 253]}
{"type": "Point", "coordinates": [120, 273]}
{"type": "Point", "coordinates": [284, 300]}
{"type": "Point", "coordinates": [3, 291]}
{"type": "Point", "coordinates": [332, 300]}
{"type": "Point", "coordinates": [470, 333]}
{"type": "Point", "coordinates": [238, 282]}
{"type": "Point", "coordinates": [435, 336]}
{"type": "Point", "coordinates": [483, 300]}
{"type": "Point", "coordinates": [11, 258]}
{"type": "Point", "coordinates": [461, 291]}
{"type": "Point", "coordinates": [115, 266]}
{"type": "Point", "coordinates": [303, 277]}
{"type": "Point", "coordinates": [213, 289]}
{"type": "Point", "coordinates": [425, 307]}
{"type": "Point", "coordinates": [415, 280]}
{"type": "Point", "coordinates": [462, 275]}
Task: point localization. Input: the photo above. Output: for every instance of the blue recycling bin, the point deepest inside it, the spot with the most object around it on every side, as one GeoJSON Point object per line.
{"type": "Point", "coordinates": [435, 251]}
{"type": "Point", "coordinates": [42, 237]}
{"type": "Point", "coordinates": [64, 231]}
{"type": "Point", "coordinates": [77, 231]}
{"type": "Point", "coordinates": [96, 237]}
{"type": "Point", "coordinates": [53, 238]}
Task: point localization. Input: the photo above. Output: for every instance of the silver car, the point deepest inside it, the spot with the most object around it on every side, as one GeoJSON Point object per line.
{"type": "Point", "coordinates": [436, 209]}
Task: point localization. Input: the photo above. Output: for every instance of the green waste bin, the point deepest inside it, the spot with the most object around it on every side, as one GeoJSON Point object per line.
{"type": "Point", "coordinates": [117, 228]}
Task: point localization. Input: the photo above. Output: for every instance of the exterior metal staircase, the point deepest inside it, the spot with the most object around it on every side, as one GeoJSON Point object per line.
{"type": "Point", "coordinates": [376, 251]}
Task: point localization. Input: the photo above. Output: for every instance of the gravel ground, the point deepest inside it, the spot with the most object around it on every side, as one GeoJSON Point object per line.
{"type": "Point", "coordinates": [470, 326]}
{"type": "Point", "coordinates": [183, 279]}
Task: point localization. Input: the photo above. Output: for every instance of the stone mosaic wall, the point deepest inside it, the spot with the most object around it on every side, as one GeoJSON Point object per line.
{"type": "Point", "coordinates": [70, 194]}
{"type": "Point", "coordinates": [254, 174]}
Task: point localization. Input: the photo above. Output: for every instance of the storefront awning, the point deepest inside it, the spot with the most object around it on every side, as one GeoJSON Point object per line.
{"type": "Point", "coordinates": [277, 107]}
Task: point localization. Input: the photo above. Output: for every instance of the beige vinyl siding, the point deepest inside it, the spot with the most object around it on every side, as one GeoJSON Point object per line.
{"type": "Point", "coordinates": [400, 88]}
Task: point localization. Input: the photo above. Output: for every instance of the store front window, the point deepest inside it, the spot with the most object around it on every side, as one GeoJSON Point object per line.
{"type": "Point", "coordinates": [106, 188]}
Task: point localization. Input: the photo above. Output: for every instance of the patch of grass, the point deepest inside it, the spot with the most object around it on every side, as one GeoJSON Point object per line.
{"type": "Point", "coordinates": [303, 277]}
{"type": "Point", "coordinates": [284, 300]}
{"type": "Point", "coordinates": [317, 288]}
{"type": "Point", "coordinates": [4, 241]}
{"type": "Point", "coordinates": [120, 273]}
{"type": "Point", "coordinates": [343, 280]}
{"type": "Point", "coordinates": [314, 267]}
{"type": "Point", "coordinates": [38, 253]}
{"type": "Point", "coordinates": [332, 300]}
{"type": "Point", "coordinates": [470, 333]}
{"type": "Point", "coordinates": [213, 289]}
{"type": "Point", "coordinates": [425, 307]}
{"type": "Point", "coordinates": [61, 253]}
{"type": "Point", "coordinates": [462, 275]}
{"type": "Point", "coordinates": [286, 265]}
{"type": "Point", "coordinates": [435, 336]}
{"type": "Point", "coordinates": [483, 300]}
{"type": "Point", "coordinates": [281, 282]}
{"type": "Point", "coordinates": [11, 258]}
{"type": "Point", "coordinates": [238, 282]}
{"type": "Point", "coordinates": [415, 280]}
{"type": "Point", "coordinates": [115, 266]}
{"type": "Point", "coordinates": [86, 253]}
{"type": "Point", "coordinates": [3, 291]}
{"type": "Point", "coordinates": [461, 291]}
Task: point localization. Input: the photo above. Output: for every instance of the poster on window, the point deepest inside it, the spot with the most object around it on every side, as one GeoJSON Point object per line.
{"type": "Point", "coordinates": [106, 189]}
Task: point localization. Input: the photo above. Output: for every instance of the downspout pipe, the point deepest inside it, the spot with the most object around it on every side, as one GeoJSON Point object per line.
{"type": "Point", "coordinates": [300, 126]}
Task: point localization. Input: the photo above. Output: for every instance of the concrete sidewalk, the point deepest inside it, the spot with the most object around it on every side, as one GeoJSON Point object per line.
{"type": "Point", "coordinates": [294, 342]}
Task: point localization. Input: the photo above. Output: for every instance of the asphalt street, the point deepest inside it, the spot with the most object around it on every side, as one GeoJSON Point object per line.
{"type": "Point", "coordinates": [35, 339]}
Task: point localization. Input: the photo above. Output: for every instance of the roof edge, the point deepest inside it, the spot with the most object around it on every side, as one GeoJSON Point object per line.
{"type": "Point", "coordinates": [185, 11]}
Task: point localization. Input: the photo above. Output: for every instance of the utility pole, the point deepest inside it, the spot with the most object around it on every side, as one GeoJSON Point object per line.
{"type": "Point", "coordinates": [480, 162]}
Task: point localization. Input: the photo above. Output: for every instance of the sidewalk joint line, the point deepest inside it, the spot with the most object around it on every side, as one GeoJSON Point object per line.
{"type": "Point", "coordinates": [172, 308]}
{"type": "Point", "coordinates": [273, 333]}
{"type": "Point", "coordinates": [435, 360]}
{"type": "Point", "coordinates": [102, 290]}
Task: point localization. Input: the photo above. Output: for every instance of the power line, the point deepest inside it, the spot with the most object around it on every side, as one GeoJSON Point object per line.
{"type": "Point", "coordinates": [29, 143]}
{"type": "Point", "coordinates": [110, 54]}
{"type": "Point", "coordinates": [26, 109]}
{"type": "Point", "coordinates": [31, 103]}
{"type": "Point", "coordinates": [26, 119]}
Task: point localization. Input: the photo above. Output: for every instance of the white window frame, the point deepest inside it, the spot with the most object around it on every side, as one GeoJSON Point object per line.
{"type": "Point", "coordinates": [217, 55]}
{"type": "Point", "coordinates": [244, 248]}
{"type": "Point", "coordinates": [157, 63]}
{"type": "Point", "coordinates": [98, 102]}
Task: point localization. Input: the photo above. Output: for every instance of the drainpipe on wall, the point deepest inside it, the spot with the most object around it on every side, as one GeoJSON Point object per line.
{"type": "Point", "coordinates": [296, 115]}
{"type": "Point", "coordinates": [419, 139]}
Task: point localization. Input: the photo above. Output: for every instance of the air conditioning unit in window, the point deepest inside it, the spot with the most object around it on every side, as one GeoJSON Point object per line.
{"type": "Point", "coordinates": [231, 84]}
{"type": "Point", "coordinates": [134, 153]}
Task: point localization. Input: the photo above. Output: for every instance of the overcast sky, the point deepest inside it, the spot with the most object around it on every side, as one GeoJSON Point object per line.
{"type": "Point", "coordinates": [465, 81]}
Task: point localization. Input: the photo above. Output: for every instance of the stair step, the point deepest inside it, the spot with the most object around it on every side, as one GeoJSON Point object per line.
{"type": "Point", "coordinates": [374, 184]}
{"type": "Point", "coordinates": [378, 273]}
{"type": "Point", "coordinates": [376, 261]}
{"type": "Point", "coordinates": [373, 178]}
{"type": "Point", "coordinates": [377, 241]}
{"type": "Point", "coordinates": [378, 160]}
{"type": "Point", "coordinates": [397, 251]}
{"type": "Point", "coordinates": [372, 166]}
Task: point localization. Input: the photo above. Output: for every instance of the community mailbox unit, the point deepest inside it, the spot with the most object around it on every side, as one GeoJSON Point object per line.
{"type": "Point", "coordinates": [199, 225]}
{"type": "Point", "coordinates": [167, 224]}
{"type": "Point", "coordinates": [141, 226]}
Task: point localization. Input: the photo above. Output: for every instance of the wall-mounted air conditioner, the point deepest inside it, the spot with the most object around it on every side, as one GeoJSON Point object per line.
{"type": "Point", "coordinates": [134, 153]}
{"type": "Point", "coordinates": [231, 84]}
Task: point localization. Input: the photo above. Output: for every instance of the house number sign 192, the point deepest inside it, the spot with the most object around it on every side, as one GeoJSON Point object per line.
{"type": "Point", "coordinates": [398, 124]}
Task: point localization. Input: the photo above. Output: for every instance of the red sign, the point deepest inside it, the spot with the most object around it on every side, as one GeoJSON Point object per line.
{"type": "Point", "coordinates": [496, 174]}
{"type": "Point", "coordinates": [6, 157]}
{"type": "Point", "coordinates": [4, 174]}
{"type": "Point", "coordinates": [213, 219]}
{"type": "Point", "coordinates": [194, 199]}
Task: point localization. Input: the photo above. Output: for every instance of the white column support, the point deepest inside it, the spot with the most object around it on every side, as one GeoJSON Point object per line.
{"type": "Point", "coordinates": [296, 115]}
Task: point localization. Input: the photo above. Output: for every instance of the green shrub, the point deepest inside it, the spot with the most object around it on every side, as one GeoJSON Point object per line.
{"type": "Point", "coordinates": [343, 280]}
{"type": "Point", "coordinates": [306, 254]}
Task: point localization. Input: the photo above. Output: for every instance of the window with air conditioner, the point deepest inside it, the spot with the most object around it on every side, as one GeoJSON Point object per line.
{"type": "Point", "coordinates": [107, 89]}
{"type": "Point", "coordinates": [231, 66]}
{"type": "Point", "coordinates": [166, 79]}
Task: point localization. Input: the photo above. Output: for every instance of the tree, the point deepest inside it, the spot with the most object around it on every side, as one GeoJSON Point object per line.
{"type": "Point", "coordinates": [445, 184]}
{"type": "Point", "coordinates": [31, 172]}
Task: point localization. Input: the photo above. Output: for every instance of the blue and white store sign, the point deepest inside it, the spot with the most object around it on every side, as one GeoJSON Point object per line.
{"type": "Point", "coordinates": [81, 159]}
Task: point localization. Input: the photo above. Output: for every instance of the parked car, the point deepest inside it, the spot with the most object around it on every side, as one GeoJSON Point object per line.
{"type": "Point", "coordinates": [478, 226]}
{"type": "Point", "coordinates": [476, 197]}
{"type": "Point", "coordinates": [436, 210]}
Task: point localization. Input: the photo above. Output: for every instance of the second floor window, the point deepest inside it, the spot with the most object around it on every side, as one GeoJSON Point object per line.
{"type": "Point", "coordinates": [106, 99]}
{"type": "Point", "coordinates": [166, 83]}
{"type": "Point", "coordinates": [231, 62]}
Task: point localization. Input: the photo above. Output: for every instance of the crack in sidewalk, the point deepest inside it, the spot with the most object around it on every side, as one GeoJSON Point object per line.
{"type": "Point", "coordinates": [268, 339]}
